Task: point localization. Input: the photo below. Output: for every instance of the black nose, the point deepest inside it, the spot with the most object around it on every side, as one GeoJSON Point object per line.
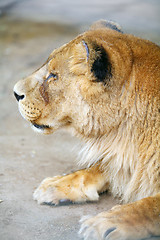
{"type": "Point", "coordinates": [18, 97]}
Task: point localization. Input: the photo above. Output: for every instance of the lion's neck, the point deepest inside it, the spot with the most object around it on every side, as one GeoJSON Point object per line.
{"type": "Point", "coordinates": [119, 157]}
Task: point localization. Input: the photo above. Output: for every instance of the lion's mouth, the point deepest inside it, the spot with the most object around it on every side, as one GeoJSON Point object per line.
{"type": "Point", "coordinates": [40, 126]}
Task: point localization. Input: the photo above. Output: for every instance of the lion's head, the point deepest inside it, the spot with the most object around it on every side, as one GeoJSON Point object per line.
{"type": "Point", "coordinates": [88, 84]}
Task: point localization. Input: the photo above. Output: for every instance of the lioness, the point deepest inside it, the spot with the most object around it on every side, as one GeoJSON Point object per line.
{"type": "Point", "coordinates": [104, 87]}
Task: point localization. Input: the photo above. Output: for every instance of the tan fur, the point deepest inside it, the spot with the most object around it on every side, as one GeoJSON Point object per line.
{"type": "Point", "coordinates": [118, 119]}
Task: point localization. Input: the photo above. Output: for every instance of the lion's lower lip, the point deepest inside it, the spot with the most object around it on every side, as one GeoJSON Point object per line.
{"type": "Point", "coordinates": [40, 126]}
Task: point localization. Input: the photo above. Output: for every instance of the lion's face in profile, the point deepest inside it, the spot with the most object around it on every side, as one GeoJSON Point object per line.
{"type": "Point", "coordinates": [88, 84]}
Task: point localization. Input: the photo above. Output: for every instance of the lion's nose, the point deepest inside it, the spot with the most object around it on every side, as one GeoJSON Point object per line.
{"type": "Point", "coordinates": [18, 97]}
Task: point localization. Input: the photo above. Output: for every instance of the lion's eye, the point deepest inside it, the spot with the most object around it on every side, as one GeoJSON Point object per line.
{"type": "Point", "coordinates": [52, 76]}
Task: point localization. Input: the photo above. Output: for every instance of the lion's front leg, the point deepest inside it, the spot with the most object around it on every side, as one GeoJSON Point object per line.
{"type": "Point", "coordinates": [80, 186]}
{"type": "Point", "coordinates": [138, 220]}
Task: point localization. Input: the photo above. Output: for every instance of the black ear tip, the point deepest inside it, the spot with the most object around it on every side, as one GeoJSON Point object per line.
{"type": "Point", "coordinates": [114, 26]}
{"type": "Point", "coordinates": [106, 24]}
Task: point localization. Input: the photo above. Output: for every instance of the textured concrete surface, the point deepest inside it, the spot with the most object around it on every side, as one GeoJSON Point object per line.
{"type": "Point", "coordinates": [29, 31]}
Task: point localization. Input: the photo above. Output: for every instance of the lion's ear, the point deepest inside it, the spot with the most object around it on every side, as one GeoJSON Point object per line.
{"type": "Point", "coordinates": [99, 61]}
{"type": "Point", "coordinates": [106, 24]}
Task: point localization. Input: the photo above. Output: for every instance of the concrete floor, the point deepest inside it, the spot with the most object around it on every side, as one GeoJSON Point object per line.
{"type": "Point", "coordinates": [27, 158]}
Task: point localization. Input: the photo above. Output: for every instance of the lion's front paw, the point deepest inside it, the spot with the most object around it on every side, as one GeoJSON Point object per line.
{"type": "Point", "coordinates": [48, 192]}
{"type": "Point", "coordinates": [120, 223]}
{"type": "Point", "coordinates": [75, 187]}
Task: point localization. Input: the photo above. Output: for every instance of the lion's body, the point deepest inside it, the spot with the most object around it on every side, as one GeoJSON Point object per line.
{"type": "Point", "coordinates": [104, 87]}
